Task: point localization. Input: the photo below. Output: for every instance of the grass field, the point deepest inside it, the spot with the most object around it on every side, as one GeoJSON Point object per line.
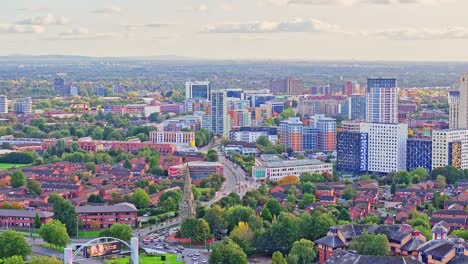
{"type": "Point", "coordinates": [81, 233]}
{"type": "Point", "coordinates": [6, 166]}
{"type": "Point", "coordinates": [170, 258]}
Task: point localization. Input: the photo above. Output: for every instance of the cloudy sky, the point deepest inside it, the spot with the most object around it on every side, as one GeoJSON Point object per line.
{"type": "Point", "coordinates": [239, 29]}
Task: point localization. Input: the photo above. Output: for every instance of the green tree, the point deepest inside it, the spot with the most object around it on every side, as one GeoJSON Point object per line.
{"type": "Point", "coordinates": [55, 233]}
{"type": "Point", "coordinates": [120, 231]}
{"type": "Point", "coordinates": [370, 244]}
{"type": "Point", "coordinates": [393, 188]}
{"type": "Point", "coordinates": [97, 133]}
{"type": "Point", "coordinates": [281, 235]}
{"type": "Point", "coordinates": [344, 215]}
{"type": "Point", "coordinates": [309, 187]}
{"type": "Point", "coordinates": [371, 220]}
{"type": "Point", "coordinates": [441, 182]}
{"type": "Point", "coordinates": [263, 141]}
{"type": "Point", "coordinates": [228, 252]}
{"type": "Point", "coordinates": [37, 221]}
{"type": "Point", "coordinates": [273, 206]}
{"type": "Point", "coordinates": [212, 155]}
{"type": "Point", "coordinates": [269, 122]}
{"type": "Point", "coordinates": [349, 193]}
{"type": "Point", "coordinates": [65, 212]}
{"type": "Point", "coordinates": [302, 252]}
{"type": "Point", "coordinates": [140, 198]}
{"type": "Point", "coordinates": [13, 260]}
{"type": "Point", "coordinates": [306, 200]}
{"type": "Point", "coordinates": [34, 187]}
{"type": "Point", "coordinates": [127, 164]}
{"type": "Point", "coordinates": [17, 179]}
{"type": "Point", "coordinates": [195, 229]}
{"type": "Point", "coordinates": [13, 244]}
{"type": "Point", "coordinates": [461, 233]}
{"type": "Point", "coordinates": [95, 198]}
{"type": "Point", "coordinates": [237, 214]}
{"type": "Point", "coordinates": [169, 205]}
{"type": "Point", "coordinates": [266, 215]}
{"type": "Point", "coordinates": [90, 166]}
{"type": "Point", "coordinates": [311, 177]}
{"type": "Point", "coordinates": [278, 258]}
{"type": "Point", "coordinates": [214, 216]}
{"type": "Point", "coordinates": [44, 260]}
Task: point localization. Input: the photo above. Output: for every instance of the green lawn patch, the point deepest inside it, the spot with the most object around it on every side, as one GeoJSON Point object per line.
{"type": "Point", "coordinates": [170, 258]}
{"type": "Point", "coordinates": [7, 166]}
{"type": "Point", "coordinates": [88, 234]}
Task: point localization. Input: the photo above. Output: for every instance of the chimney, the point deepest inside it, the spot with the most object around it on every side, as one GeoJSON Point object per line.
{"type": "Point", "coordinates": [415, 234]}
{"type": "Point", "coordinates": [405, 227]}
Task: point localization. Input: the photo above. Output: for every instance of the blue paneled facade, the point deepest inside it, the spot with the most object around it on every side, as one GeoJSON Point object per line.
{"type": "Point", "coordinates": [310, 138]}
{"type": "Point", "coordinates": [352, 152]}
{"type": "Point", "coordinates": [419, 154]}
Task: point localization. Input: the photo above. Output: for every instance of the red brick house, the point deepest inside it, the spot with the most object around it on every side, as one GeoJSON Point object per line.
{"type": "Point", "coordinates": [107, 215]}
{"type": "Point", "coordinates": [22, 218]}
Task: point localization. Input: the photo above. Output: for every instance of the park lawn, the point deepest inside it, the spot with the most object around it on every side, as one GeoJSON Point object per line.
{"type": "Point", "coordinates": [170, 258]}
{"type": "Point", "coordinates": [88, 234]}
{"type": "Point", "coordinates": [7, 166]}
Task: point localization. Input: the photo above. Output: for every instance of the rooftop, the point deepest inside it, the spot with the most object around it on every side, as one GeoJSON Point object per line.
{"type": "Point", "coordinates": [121, 207]}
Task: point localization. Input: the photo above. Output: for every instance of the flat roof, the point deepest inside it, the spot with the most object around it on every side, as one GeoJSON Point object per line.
{"type": "Point", "coordinates": [291, 163]}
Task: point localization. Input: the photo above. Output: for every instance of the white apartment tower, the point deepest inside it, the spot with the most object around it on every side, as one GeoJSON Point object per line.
{"type": "Point", "coordinates": [3, 104]}
{"type": "Point", "coordinates": [23, 105]}
{"type": "Point", "coordinates": [450, 147]}
{"type": "Point", "coordinates": [458, 105]}
{"type": "Point", "coordinates": [387, 146]}
{"type": "Point", "coordinates": [382, 101]}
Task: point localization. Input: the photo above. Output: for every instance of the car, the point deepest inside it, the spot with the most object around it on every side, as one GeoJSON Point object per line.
{"type": "Point", "coordinates": [196, 254]}
{"type": "Point", "coordinates": [189, 255]}
{"type": "Point", "coordinates": [203, 261]}
{"type": "Point", "coordinates": [194, 258]}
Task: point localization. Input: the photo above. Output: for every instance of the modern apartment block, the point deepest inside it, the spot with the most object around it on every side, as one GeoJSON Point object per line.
{"type": "Point", "coordinates": [458, 105]}
{"type": "Point", "coordinates": [352, 152]}
{"type": "Point", "coordinates": [200, 90]}
{"type": "Point", "coordinates": [387, 146]}
{"type": "Point", "coordinates": [220, 120]}
{"type": "Point", "coordinates": [273, 168]}
{"type": "Point", "coordinates": [450, 147]}
{"type": "Point", "coordinates": [354, 107]}
{"type": "Point", "coordinates": [291, 133]}
{"type": "Point", "coordinates": [178, 137]}
{"type": "Point", "coordinates": [327, 133]}
{"type": "Point", "coordinates": [382, 101]}
{"type": "Point", "coordinates": [310, 138]}
{"type": "Point", "coordinates": [252, 133]}
{"type": "Point", "coordinates": [3, 104]}
{"type": "Point", "coordinates": [107, 215]}
{"type": "Point", "coordinates": [419, 153]}
{"type": "Point", "coordinates": [23, 105]}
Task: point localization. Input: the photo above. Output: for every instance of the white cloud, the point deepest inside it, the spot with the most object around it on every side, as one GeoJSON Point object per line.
{"type": "Point", "coordinates": [199, 8]}
{"type": "Point", "coordinates": [21, 29]}
{"type": "Point", "coordinates": [420, 33]}
{"type": "Point", "coordinates": [46, 20]}
{"type": "Point", "coordinates": [149, 25]}
{"type": "Point", "coordinates": [352, 2]}
{"type": "Point", "coordinates": [84, 33]}
{"type": "Point", "coordinates": [108, 10]}
{"type": "Point", "coordinates": [295, 25]}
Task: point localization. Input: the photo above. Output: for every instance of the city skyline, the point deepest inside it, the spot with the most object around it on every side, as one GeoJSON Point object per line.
{"type": "Point", "coordinates": [415, 30]}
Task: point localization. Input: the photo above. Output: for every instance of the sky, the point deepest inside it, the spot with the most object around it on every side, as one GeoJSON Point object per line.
{"type": "Point", "coordinates": [407, 30]}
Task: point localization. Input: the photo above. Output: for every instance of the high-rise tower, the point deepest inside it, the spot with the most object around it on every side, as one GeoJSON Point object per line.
{"type": "Point", "coordinates": [382, 101]}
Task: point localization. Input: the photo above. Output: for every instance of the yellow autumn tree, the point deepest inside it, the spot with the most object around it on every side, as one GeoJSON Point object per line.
{"type": "Point", "coordinates": [288, 180]}
{"type": "Point", "coordinates": [243, 232]}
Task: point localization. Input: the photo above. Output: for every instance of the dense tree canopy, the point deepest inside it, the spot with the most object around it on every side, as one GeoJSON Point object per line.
{"type": "Point", "coordinates": [13, 244]}
{"type": "Point", "coordinates": [370, 244]}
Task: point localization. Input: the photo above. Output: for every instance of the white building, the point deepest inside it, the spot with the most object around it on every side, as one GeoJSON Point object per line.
{"type": "Point", "coordinates": [3, 104]}
{"type": "Point", "coordinates": [458, 105]}
{"type": "Point", "coordinates": [450, 147]}
{"type": "Point", "coordinates": [179, 137]}
{"type": "Point", "coordinates": [276, 169]}
{"type": "Point", "coordinates": [387, 146]}
{"type": "Point", "coordinates": [251, 136]}
{"type": "Point", "coordinates": [382, 101]}
{"type": "Point", "coordinates": [23, 105]}
{"type": "Point", "coordinates": [200, 90]}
